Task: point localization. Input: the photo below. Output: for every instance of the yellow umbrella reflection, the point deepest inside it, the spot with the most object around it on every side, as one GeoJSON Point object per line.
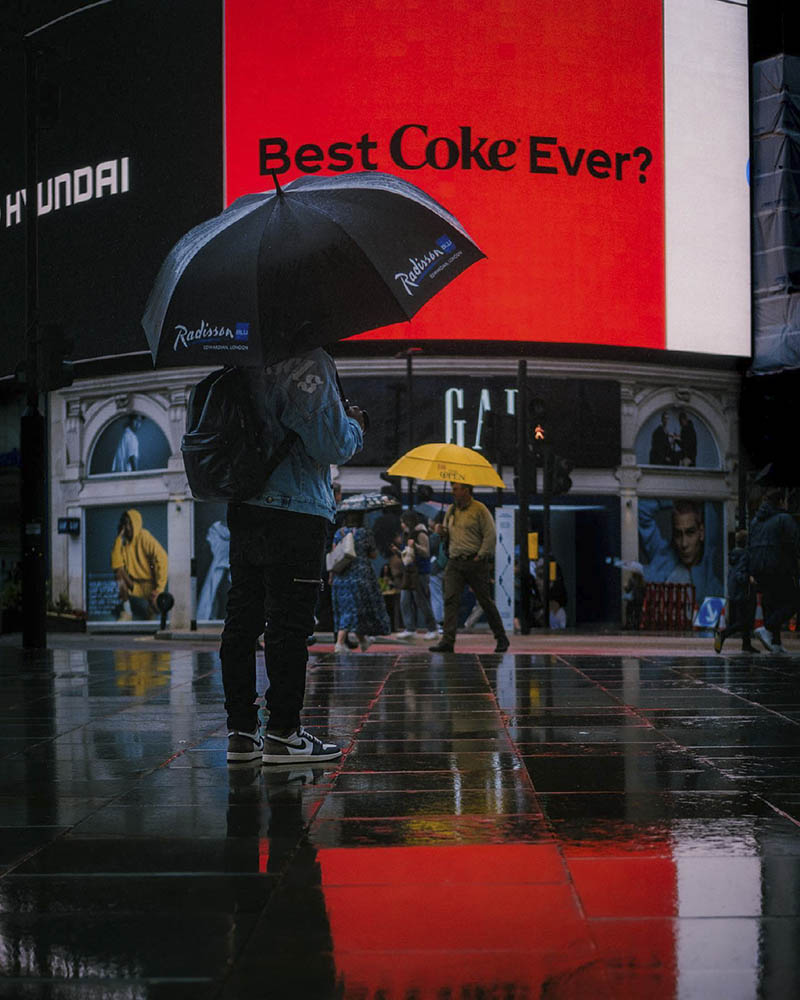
{"type": "Point", "coordinates": [448, 462]}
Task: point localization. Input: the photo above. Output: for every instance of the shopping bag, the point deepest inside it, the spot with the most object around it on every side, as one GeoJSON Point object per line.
{"type": "Point", "coordinates": [342, 554]}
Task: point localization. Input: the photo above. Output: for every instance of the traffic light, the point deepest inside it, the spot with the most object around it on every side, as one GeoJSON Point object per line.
{"type": "Point", "coordinates": [561, 483]}
{"type": "Point", "coordinates": [53, 348]}
{"type": "Point", "coordinates": [538, 415]}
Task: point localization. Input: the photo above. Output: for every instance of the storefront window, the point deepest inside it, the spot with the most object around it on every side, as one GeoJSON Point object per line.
{"type": "Point", "coordinates": [676, 437]}
{"type": "Point", "coordinates": [130, 443]}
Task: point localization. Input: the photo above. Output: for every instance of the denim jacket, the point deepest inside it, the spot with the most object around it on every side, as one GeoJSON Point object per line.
{"type": "Point", "coordinates": [301, 394]}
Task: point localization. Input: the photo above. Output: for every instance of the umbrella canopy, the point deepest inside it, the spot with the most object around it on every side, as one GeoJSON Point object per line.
{"type": "Point", "coordinates": [284, 271]}
{"type": "Point", "coordinates": [449, 462]}
{"type": "Point", "coordinates": [368, 501]}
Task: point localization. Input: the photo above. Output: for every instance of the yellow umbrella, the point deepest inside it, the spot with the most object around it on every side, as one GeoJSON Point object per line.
{"type": "Point", "coordinates": [449, 462]}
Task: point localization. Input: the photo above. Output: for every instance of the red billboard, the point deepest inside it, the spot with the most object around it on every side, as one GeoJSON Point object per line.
{"type": "Point", "coordinates": [540, 125]}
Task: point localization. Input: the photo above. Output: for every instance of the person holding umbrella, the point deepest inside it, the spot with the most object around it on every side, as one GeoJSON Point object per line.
{"type": "Point", "coordinates": [470, 533]}
{"type": "Point", "coordinates": [277, 542]}
{"type": "Point", "coordinates": [263, 287]}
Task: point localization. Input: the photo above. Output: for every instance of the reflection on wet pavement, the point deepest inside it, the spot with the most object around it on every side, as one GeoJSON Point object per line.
{"type": "Point", "coordinates": [500, 827]}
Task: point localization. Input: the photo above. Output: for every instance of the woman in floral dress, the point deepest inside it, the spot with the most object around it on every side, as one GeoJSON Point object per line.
{"type": "Point", "coordinates": [358, 604]}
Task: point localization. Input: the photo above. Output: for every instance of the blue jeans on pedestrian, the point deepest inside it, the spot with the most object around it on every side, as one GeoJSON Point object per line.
{"type": "Point", "coordinates": [437, 597]}
{"type": "Point", "coordinates": [275, 558]}
{"type": "Point", "coordinates": [415, 605]}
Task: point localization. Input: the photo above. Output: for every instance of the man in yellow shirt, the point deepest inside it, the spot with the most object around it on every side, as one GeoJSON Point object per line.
{"type": "Point", "coordinates": [140, 565]}
{"type": "Point", "coordinates": [470, 533]}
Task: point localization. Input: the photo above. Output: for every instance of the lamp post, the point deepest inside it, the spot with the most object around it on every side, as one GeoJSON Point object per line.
{"type": "Point", "coordinates": [33, 499]}
{"type": "Point", "coordinates": [523, 489]}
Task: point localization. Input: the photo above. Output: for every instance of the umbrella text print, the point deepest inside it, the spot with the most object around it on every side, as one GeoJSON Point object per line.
{"type": "Point", "coordinates": [449, 474]}
{"type": "Point", "coordinates": [429, 265]}
{"type": "Point", "coordinates": [213, 337]}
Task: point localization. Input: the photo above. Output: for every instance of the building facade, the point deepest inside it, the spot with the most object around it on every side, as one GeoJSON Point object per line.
{"type": "Point", "coordinates": [115, 445]}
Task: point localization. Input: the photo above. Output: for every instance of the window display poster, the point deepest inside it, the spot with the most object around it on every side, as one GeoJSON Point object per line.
{"type": "Point", "coordinates": [130, 443]}
{"type": "Point", "coordinates": [211, 552]}
{"type": "Point", "coordinates": [676, 436]}
{"type": "Point", "coordinates": [681, 541]}
{"type": "Point", "coordinates": [126, 561]}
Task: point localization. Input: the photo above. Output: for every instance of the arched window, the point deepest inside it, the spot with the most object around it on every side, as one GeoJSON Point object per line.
{"type": "Point", "coordinates": [677, 437]}
{"type": "Point", "coordinates": [130, 443]}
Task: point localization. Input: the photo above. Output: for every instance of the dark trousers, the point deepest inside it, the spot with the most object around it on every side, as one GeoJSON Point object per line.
{"type": "Point", "coordinates": [741, 620]}
{"type": "Point", "coordinates": [275, 578]}
{"type": "Point", "coordinates": [779, 596]}
{"type": "Point", "coordinates": [458, 573]}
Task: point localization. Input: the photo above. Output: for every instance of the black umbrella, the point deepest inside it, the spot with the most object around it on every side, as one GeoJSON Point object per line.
{"type": "Point", "coordinates": [284, 271]}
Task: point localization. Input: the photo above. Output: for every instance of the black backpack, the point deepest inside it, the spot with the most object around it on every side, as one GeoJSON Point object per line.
{"type": "Point", "coordinates": [225, 451]}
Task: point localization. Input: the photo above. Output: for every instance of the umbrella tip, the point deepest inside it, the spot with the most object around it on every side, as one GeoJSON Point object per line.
{"type": "Point", "coordinates": [278, 188]}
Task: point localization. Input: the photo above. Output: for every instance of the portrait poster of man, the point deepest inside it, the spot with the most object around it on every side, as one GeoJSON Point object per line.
{"type": "Point", "coordinates": [127, 565]}
{"type": "Point", "coordinates": [211, 552]}
{"type": "Point", "coordinates": [676, 436]}
{"type": "Point", "coordinates": [681, 541]}
{"type": "Point", "coordinates": [130, 443]}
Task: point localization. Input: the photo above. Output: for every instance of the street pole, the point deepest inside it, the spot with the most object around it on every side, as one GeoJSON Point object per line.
{"type": "Point", "coordinates": [33, 495]}
{"type": "Point", "coordinates": [523, 490]}
{"type": "Point", "coordinates": [547, 490]}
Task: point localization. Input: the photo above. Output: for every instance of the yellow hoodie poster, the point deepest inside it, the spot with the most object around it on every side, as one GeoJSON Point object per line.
{"type": "Point", "coordinates": [127, 565]}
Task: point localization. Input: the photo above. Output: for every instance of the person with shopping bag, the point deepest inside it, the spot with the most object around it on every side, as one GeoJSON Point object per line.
{"type": "Point", "coordinates": [358, 604]}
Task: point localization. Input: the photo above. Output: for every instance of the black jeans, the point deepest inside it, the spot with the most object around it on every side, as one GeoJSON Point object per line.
{"type": "Point", "coordinates": [275, 560]}
{"type": "Point", "coordinates": [741, 619]}
{"type": "Point", "coordinates": [459, 572]}
{"type": "Point", "coordinates": [779, 596]}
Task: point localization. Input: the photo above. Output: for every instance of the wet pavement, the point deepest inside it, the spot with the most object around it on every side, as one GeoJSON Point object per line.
{"type": "Point", "coordinates": [555, 825]}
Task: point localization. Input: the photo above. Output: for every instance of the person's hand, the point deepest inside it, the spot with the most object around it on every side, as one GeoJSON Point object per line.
{"type": "Point", "coordinates": [154, 599]}
{"type": "Point", "coordinates": [357, 415]}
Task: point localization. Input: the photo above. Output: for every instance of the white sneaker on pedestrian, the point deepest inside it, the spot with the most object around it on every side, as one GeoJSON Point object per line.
{"type": "Point", "coordinates": [364, 643]}
{"type": "Point", "coordinates": [405, 634]}
{"type": "Point", "coordinates": [764, 638]}
{"type": "Point", "coordinates": [431, 635]}
{"type": "Point", "coordinates": [341, 648]}
{"type": "Point", "coordinates": [299, 745]}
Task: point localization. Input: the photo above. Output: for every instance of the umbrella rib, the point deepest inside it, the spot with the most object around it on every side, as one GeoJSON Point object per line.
{"type": "Point", "coordinates": [179, 258]}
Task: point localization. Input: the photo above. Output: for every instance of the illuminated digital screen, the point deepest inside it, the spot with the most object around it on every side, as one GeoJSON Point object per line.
{"type": "Point", "coordinates": [596, 151]}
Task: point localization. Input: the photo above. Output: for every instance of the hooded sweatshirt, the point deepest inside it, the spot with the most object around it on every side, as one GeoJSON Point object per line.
{"type": "Point", "coordinates": [143, 558]}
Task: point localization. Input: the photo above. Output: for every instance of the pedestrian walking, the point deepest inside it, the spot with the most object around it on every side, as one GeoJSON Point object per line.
{"type": "Point", "coordinates": [773, 550]}
{"type": "Point", "coordinates": [438, 564]}
{"type": "Point", "coordinates": [415, 597]}
{"type": "Point", "coordinates": [358, 604]}
{"type": "Point", "coordinates": [276, 547]}
{"type": "Point", "coordinates": [470, 532]}
{"type": "Point", "coordinates": [741, 598]}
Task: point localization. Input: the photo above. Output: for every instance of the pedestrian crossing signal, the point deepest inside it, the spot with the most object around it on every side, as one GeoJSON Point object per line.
{"type": "Point", "coordinates": [538, 433]}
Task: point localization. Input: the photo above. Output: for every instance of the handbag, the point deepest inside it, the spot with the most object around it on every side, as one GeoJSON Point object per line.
{"type": "Point", "coordinates": [342, 554]}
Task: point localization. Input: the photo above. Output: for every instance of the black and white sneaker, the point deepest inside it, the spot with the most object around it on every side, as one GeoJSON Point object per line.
{"type": "Point", "coordinates": [297, 746]}
{"type": "Point", "coordinates": [244, 746]}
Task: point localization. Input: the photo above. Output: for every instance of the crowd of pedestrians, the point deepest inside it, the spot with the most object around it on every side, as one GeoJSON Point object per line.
{"type": "Point", "coordinates": [428, 565]}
